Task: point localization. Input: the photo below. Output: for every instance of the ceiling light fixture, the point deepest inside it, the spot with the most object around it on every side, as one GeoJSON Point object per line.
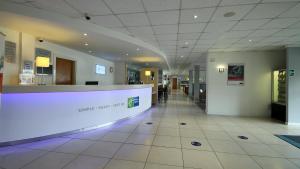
{"type": "Point", "coordinates": [85, 34]}
{"type": "Point", "coordinates": [186, 43]}
{"type": "Point", "coordinates": [229, 14]}
{"type": "Point", "coordinates": [195, 16]}
{"type": "Point", "coordinates": [137, 49]}
{"type": "Point", "coordinates": [86, 44]}
{"type": "Point", "coordinates": [127, 54]}
{"type": "Point", "coordinates": [181, 56]}
{"type": "Point", "coordinates": [250, 40]}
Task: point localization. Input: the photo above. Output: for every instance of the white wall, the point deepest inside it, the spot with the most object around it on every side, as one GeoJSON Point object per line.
{"type": "Point", "coordinates": [252, 99]}
{"type": "Point", "coordinates": [121, 73]}
{"type": "Point", "coordinates": [85, 64]}
{"type": "Point", "coordinates": [293, 97]}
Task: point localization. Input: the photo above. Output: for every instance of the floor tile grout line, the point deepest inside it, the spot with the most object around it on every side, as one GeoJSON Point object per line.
{"type": "Point", "coordinates": [151, 145]}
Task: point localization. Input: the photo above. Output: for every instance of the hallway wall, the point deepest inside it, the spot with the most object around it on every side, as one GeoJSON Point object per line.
{"type": "Point", "coordinates": [251, 99]}
{"type": "Point", "coordinates": [293, 96]}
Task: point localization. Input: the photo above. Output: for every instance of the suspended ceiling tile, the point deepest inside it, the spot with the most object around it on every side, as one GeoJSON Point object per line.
{"type": "Point", "coordinates": [164, 29]}
{"type": "Point", "coordinates": [135, 19]}
{"type": "Point", "coordinates": [164, 17]}
{"type": "Point", "coordinates": [240, 11]}
{"type": "Point", "coordinates": [125, 6]}
{"type": "Point", "coordinates": [238, 2]}
{"type": "Point", "coordinates": [159, 5]}
{"type": "Point", "coordinates": [191, 28]}
{"type": "Point", "coordinates": [250, 24]}
{"type": "Point", "coordinates": [218, 27]}
{"type": "Point", "coordinates": [199, 3]}
{"type": "Point", "coordinates": [280, 23]}
{"type": "Point", "coordinates": [92, 7]}
{"type": "Point", "coordinates": [107, 21]}
{"type": "Point", "coordinates": [203, 15]}
{"type": "Point", "coordinates": [271, 10]}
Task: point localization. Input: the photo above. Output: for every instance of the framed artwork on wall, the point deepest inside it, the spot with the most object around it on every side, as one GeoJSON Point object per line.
{"type": "Point", "coordinates": [236, 74]}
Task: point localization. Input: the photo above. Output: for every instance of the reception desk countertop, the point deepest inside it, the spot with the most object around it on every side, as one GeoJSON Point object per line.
{"type": "Point", "coordinates": [68, 88]}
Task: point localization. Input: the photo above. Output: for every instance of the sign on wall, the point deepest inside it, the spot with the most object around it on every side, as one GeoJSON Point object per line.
{"type": "Point", "coordinates": [236, 74]}
{"type": "Point", "coordinates": [10, 52]}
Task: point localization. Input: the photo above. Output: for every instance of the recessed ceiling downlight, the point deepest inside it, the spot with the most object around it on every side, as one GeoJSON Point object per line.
{"type": "Point", "coordinates": [229, 14]}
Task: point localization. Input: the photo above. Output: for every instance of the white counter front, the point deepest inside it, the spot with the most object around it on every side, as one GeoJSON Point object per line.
{"type": "Point", "coordinates": [29, 112]}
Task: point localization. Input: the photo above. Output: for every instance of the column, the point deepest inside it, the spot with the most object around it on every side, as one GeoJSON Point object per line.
{"type": "Point", "coordinates": [196, 82]}
{"type": "Point", "coordinates": [293, 83]}
{"type": "Point", "coordinates": [191, 79]}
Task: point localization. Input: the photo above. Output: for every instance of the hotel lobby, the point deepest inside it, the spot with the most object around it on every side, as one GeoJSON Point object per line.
{"type": "Point", "coordinates": [150, 84]}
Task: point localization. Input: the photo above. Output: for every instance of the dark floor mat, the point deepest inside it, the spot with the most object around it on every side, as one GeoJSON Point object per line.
{"type": "Point", "coordinates": [292, 139]}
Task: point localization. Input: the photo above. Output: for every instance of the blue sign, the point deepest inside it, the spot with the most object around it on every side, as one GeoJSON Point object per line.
{"type": "Point", "coordinates": [133, 102]}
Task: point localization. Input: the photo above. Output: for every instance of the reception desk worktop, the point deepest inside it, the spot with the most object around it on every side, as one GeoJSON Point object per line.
{"type": "Point", "coordinates": [30, 112]}
{"type": "Point", "coordinates": [68, 88]}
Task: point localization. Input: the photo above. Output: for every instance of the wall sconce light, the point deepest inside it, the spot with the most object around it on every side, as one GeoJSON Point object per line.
{"type": "Point", "coordinates": [147, 73]}
{"type": "Point", "coordinates": [221, 69]}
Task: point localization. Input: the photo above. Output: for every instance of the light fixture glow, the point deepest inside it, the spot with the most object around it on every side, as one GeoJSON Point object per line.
{"type": "Point", "coordinates": [137, 49]}
{"type": "Point", "coordinates": [86, 44]}
{"type": "Point", "coordinates": [147, 73]}
{"type": "Point", "coordinates": [85, 34]}
{"type": "Point", "coordinates": [127, 54]}
{"type": "Point", "coordinates": [250, 40]}
{"type": "Point", "coordinates": [221, 68]}
{"type": "Point", "coordinates": [186, 43]}
{"type": "Point", "coordinates": [41, 61]}
{"type": "Point", "coordinates": [181, 56]}
{"type": "Point", "coordinates": [195, 16]}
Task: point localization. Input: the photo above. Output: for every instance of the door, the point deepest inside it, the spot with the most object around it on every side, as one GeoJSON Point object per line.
{"type": "Point", "coordinates": [174, 83]}
{"type": "Point", "coordinates": [65, 71]}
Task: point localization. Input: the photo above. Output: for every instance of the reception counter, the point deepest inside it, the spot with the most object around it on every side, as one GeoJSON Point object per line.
{"type": "Point", "coordinates": [30, 112]}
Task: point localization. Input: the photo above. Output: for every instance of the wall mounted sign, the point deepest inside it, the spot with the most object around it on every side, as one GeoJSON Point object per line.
{"type": "Point", "coordinates": [236, 74]}
{"type": "Point", "coordinates": [10, 52]}
{"type": "Point", "coordinates": [292, 73]}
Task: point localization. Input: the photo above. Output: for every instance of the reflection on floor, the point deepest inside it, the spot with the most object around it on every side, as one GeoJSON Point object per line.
{"type": "Point", "coordinates": [164, 144]}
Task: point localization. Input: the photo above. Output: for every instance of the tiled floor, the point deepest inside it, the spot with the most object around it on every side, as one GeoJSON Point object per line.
{"type": "Point", "coordinates": [132, 144]}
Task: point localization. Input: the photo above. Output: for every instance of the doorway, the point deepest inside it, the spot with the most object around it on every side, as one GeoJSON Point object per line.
{"type": "Point", "coordinates": [174, 83]}
{"type": "Point", "coordinates": [65, 72]}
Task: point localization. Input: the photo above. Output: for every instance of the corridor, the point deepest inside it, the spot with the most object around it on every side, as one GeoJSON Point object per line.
{"type": "Point", "coordinates": [161, 139]}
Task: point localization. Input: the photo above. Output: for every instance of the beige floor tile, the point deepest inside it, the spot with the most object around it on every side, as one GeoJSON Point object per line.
{"type": "Point", "coordinates": [159, 166]}
{"type": "Point", "coordinates": [87, 162]}
{"type": "Point", "coordinates": [200, 159]}
{"type": "Point", "coordinates": [123, 164]}
{"type": "Point", "coordinates": [259, 150]}
{"type": "Point", "coordinates": [133, 152]}
{"type": "Point", "coordinates": [102, 149]}
{"type": "Point", "coordinates": [274, 163]}
{"type": "Point", "coordinates": [168, 156]}
{"type": "Point", "coordinates": [145, 139]}
{"type": "Point", "coordinates": [226, 146]}
{"type": "Point", "coordinates": [167, 141]}
{"type": "Point", "coordinates": [237, 161]}
{"type": "Point", "coordinates": [115, 137]}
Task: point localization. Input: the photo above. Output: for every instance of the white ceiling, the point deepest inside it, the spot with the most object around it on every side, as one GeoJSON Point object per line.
{"type": "Point", "coordinates": [170, 24]}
